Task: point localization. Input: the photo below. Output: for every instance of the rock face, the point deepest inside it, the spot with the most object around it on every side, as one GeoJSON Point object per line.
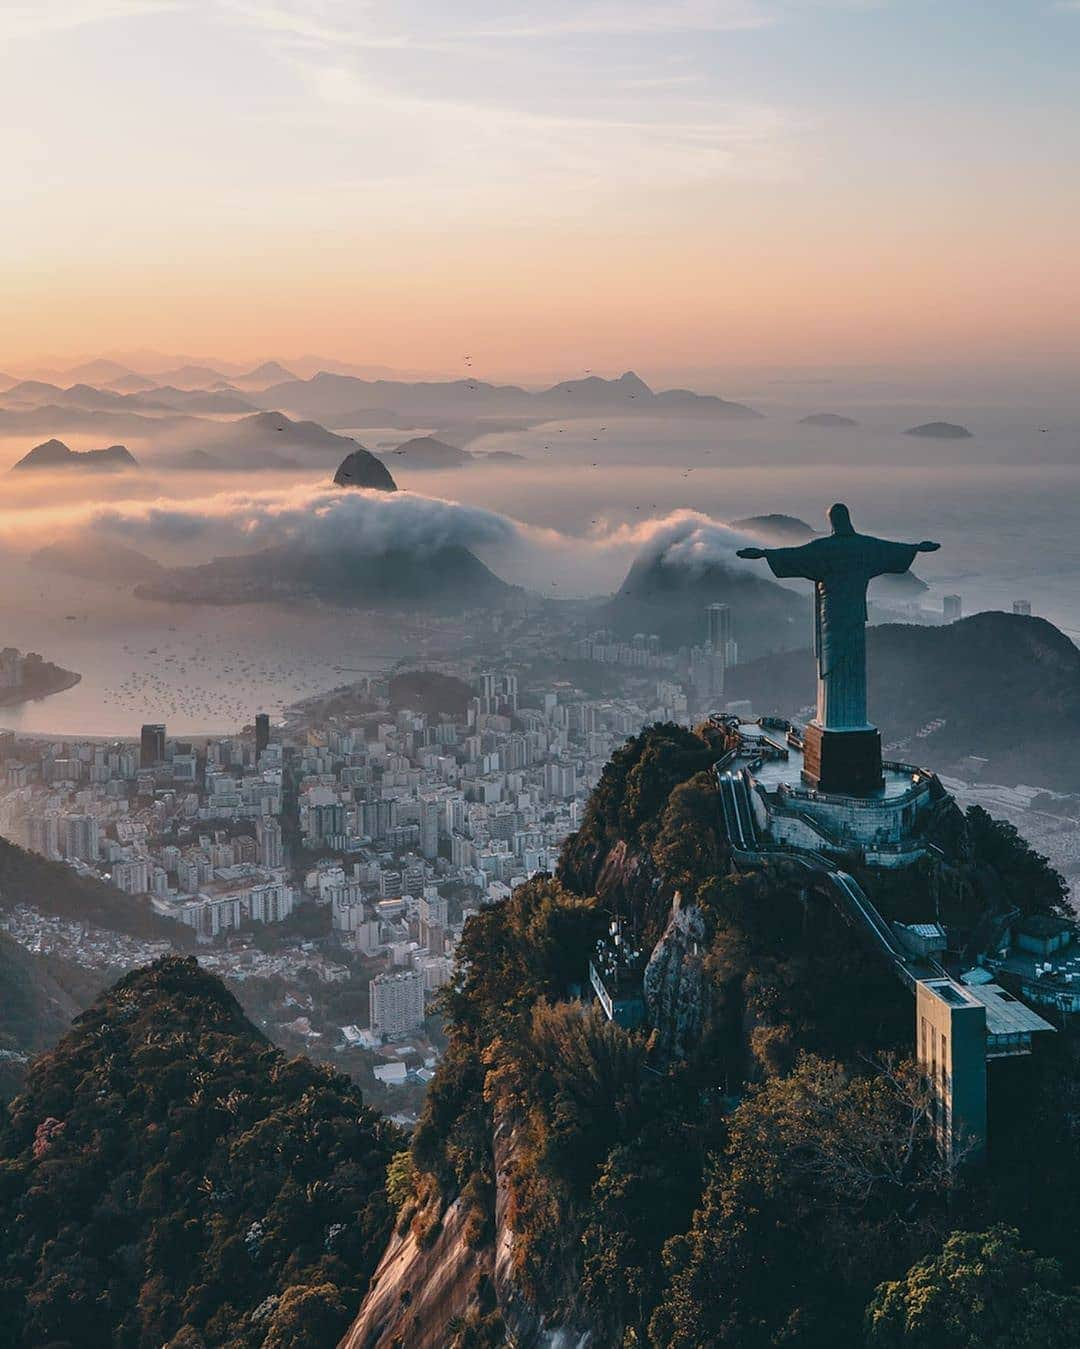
{"type": "Point", "coordinates": [363, 469]}
{"type": "Point", "coordinates": [417, 1289]}
{"type": "Point", "coordinates": [676, 990]}
{"type": "Point", "coordinates": [525, 1326]}
{"type": "Point", "coordinates": [55, 454]}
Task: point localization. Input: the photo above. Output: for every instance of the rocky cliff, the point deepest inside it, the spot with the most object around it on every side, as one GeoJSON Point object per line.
{"type": "Point", "coordinates": [677, 992]}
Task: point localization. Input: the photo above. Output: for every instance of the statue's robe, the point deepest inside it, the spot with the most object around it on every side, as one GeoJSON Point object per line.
{"type": "Point", "coordinates": [841, 567]}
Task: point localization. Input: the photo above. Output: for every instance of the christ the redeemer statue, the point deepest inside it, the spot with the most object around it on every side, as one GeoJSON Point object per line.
{"type": "Point", "coordinates": [842, 748]}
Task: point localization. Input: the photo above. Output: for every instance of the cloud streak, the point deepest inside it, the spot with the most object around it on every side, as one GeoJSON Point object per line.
{"type": "Point", "coordinates": [56, 16]}
{"type": "Point", "coordinates": [631, 20]}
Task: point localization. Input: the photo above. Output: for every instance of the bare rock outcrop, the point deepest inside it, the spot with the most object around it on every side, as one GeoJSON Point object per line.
{"type": "Point", "coordinates": [676, 989]}
{"type": "Point", "coordinates": [418, 1289]}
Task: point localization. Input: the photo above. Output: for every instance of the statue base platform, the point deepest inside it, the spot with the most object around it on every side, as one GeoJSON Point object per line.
{"type": "Point", "coordinates": [842, 763]}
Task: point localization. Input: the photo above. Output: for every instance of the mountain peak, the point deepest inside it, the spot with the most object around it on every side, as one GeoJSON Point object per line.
{"type": "Point", "coordinates": [362, 469]}
{"type": "Point", "coordinates": [55, 454]}
{"type": "Point", "coordinates": [631, 381]}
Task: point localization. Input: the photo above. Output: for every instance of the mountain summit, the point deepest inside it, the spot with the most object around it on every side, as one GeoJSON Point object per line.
{"type": "Point", "coordinates": [55, 454]}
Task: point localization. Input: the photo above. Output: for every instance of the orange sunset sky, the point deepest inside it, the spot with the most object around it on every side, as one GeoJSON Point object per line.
{"type": "Point", "coordinates": [691, 186]}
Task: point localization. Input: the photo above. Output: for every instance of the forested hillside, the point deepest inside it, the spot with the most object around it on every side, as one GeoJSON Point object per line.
{"type": "Point", "coordinates": [167, 1177]}
{"type": "Point", "coordinates": [54, 888]}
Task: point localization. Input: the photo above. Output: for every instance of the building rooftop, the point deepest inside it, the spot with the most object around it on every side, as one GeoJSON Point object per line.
{"type": "Point", "coordinates": [928, 930]}
{"type": "Point", "coordinates": [1005, 1013]}
{"type": "Point", "coordinates": [1043, 925]}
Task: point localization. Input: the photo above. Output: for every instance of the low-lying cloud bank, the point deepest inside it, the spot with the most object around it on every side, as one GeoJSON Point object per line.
{"type": "Point", "coordinates": [326, 518]}
{"type": "Point", "coordinates": [369, 523]}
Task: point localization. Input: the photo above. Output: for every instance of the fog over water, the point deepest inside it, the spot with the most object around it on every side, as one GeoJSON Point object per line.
{"type": "Point", "coordinates": [1005, 506]}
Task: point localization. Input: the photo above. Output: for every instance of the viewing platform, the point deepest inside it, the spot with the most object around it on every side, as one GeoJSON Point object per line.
{"type": "Point", "coordinates": [885, 824]}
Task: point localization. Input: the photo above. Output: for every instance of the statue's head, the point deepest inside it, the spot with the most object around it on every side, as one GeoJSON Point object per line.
{"type": "Point", "coordinates": [840, 519]}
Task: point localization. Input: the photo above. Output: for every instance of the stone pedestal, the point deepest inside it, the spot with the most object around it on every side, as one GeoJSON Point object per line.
{"type": "Point", "coordinates": [842, 763]}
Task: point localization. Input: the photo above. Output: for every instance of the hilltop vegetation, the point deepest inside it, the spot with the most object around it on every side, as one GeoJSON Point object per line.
{"type": "Point", "coordinates": [748, 1167]}
{"type": "Point", "coordinates": [169, 1178]}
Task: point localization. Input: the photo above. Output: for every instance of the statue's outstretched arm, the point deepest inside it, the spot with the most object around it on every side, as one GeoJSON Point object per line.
{"type": "Point", "coordinates": [927, 547]}
{"type": "Point", "coordinates": [752, 553]}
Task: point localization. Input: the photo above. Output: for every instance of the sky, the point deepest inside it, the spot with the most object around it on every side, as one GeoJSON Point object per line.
{"type": "Point", "coordinates": [544, 186]}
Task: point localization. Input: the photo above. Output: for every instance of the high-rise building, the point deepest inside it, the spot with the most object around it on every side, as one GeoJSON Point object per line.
{"type": "Point", "coordinates": [1022, 607]}
{"type": "Point", "coordinates": [952, 608]}
{"type": "Point", "coordinates": [397, 1003]}
{"type": "Point", "coordinates": [262, 732]}
{"type": "Point", "coordinates": [43, 834]}
{"type": "Point", "coordinates": [81, 838]}
{"type": "Point", "coordinates": [268, 836]}
{"type": "Point", "coordinates": [132, 875]}
{"type": "Point", "coordinates": [719, 632]}
{"type": "Point", "coordinates": [433, 922]}
{"type": "Point", "coordinates": [151, 745]}
{"type": "Point", "coordinates": [429, 827]}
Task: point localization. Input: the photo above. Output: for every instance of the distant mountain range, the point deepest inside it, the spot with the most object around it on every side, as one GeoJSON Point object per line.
{"type": "Point", "coordinates": [51, 419]}
{"type": "Point", "coordinates": [52, 454]}
{"type": "Point", "coordinates": [338, 400]}
{"type": "Point", "coordinates": [263, 376]}
{"type": "Point", "coordinates": [267, 440]}
{"type": "Point", "coordinates": [32, 393]}
{"type": "Point", "coordinates": [427, 452]}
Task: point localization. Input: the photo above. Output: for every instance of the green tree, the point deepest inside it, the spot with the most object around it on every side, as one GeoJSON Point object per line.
{"type": "Point", "coordinates": [801, 1213]}
{"type": "Point", "coordinates": [401, 1179]}
{"type": "Point", "coordinates": [167, 1175]}
{"type": "Point", "coordinates": [984, 1291]}
{"type": "Point", "coordinates": [1028, 879]}
{"type": "Point", "coordinates": [309, 1317]}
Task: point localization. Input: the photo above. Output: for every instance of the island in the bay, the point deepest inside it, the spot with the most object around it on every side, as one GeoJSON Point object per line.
{"type": "Point", "coordinates": [23, 678]}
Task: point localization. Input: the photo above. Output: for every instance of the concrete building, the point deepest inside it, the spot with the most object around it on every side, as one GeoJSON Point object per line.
{"type": "Point", "coordinates": [262, 732]}
{"type": "Point", "coordinates": [952, 608]}
{"type": "Point", "coordinates": [397, 1003]}
{"type": "Point", "coordinates": [81, 838]}
{"type": "Point", "coordinates": [950, 1045]}
{"type": "Point", "coordinates": [151, 745]}
{"type": "Point", "coordinates": [959, 1029]}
